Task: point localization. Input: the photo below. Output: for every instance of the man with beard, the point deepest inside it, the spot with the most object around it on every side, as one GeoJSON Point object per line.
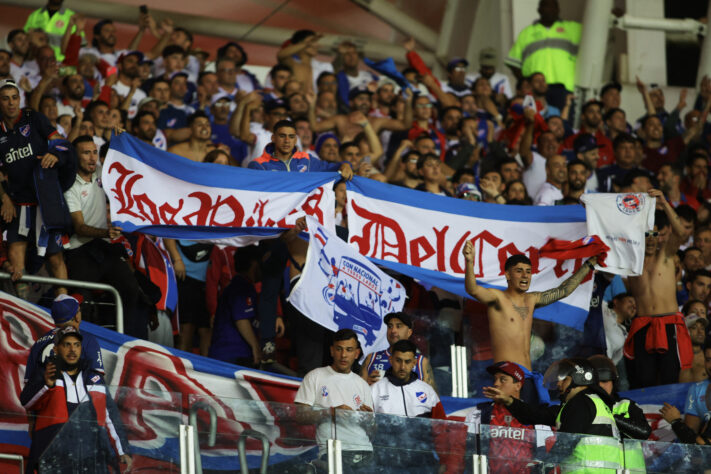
{"type": "Point", "coordinates": [297, 105]}
{"type": "Point", "coordinates": [556, 177]}
{"type": "Point", "coordinates": [669, 177]}
{"type": "Point", "coordinates": [591, 122]}
{"type": "Point", "coordinates": [176, 112]}
{"type": "Point", "coordinates": [659, 320]}
{"type": "Point", "coordinates": [104, 42]}
{"type": "Point", "coordinates": [279, 75]}
{"type": "Point", "coordinates": [451, 118]}
{"type": "Point", "coordinates": [402, 168]}
{"type": "Point", "coordinates": [587, 150]}
{"type": "Point", "coordinates": [91, 257]}
{"type": "Point", "coordinates": [657, 151]}
{"type": "Point", "coordinates": [351, 76]}
{"type": "Point", "coordinates": [577, 178]}
{"type": "Point", "coordinates": [696, 324]}
{"type": "Point", "coordinates": [21, 65]}
{"type": "Point", "coordinates": [73, 91]}
{"type": "Point", "coordinates": [456, 78]}
{"type": "Point", "coordinates": [696, 181]}
{"type": "Point", "coordinates": [143, 126]}
{"type": "Point", "coordinates": [199, 143]}
{"type": "Point", "coordinates": [347, 126]}
{"type": "Point", "coordinates": [129, 81]}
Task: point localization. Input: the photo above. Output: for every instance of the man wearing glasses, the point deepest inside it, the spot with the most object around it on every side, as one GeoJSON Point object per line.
{"type": "Point", "coordinates": [658, 345]}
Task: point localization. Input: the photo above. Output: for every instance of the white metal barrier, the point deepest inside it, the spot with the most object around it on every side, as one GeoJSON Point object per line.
{"type": "Point", "coordinates": [15, 457]}
{"type": "Point", "coordinates": [459, 371]}
{"type": "Point", "coordinates": [187, 449]}
{"type": "Point", "coordinates": [335, 462]}
{"type": "Point", "coordinates": [89, 285]}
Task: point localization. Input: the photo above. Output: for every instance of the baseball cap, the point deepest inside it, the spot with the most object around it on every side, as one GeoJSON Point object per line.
{"type": "Point", "coordinates": [64, 110]}
{"type": "Point", "coordinates": [509, 368]}
{"type": "Point", "coordinates": [358, 90]}
{"type": "Point", "coordinates": [404, 317]}
{"type": "Point", "coordinates": [219, 96]}
{"type": "Point", "coordinates": [126, 54]}
{"type": "Point", "coordinates": [610, 85]}
{"type": "Point", "coordinates": [64, 308]}
{"type": "Point", "coordinates": [146, 100]}
{"type": "Point", "coordinates": [178, 74]}
{"type": "Point", "coordinates": [66, 332]}
{"type": "Point", "coordinates": [455, 61]}
{"type": "Point", "coordinates": [691, 319]}
{"type": "Point", "coordinates": [8, 83]}
{"type": "Point", "coordinates": [585, 142]}
{"type": "Point", "coordinates": [467, 188]}
{"type": "Point", "coordinates": [272, 105]}
{"type": "Point", "coordinates": [487, 57]}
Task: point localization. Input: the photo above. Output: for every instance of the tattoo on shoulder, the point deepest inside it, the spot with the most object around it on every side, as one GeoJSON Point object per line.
{"type": "Point", "coordinates": [521, 310]}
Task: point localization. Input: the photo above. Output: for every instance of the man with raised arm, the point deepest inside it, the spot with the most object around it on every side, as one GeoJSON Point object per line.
{"type": "Point", "coordinates": [658, 345]}
{"type": "Point", "coordinates": [511, 313]}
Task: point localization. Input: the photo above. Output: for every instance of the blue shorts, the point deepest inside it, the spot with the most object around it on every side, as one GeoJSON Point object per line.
{"type": "Point", "coordinates": [23, 228]}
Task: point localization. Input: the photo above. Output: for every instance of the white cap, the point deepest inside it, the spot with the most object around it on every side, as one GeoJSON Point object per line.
{"type": "Point", "coordinates": [9, 83]}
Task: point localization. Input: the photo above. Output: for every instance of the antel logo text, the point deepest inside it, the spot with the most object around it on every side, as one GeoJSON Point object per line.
{"type": "Point", "coordinates": [20, 153]}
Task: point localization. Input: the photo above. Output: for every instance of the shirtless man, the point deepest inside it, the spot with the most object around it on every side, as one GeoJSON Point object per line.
{"type": "Point", "coordinates": [657, 308]}
{"type": "Point", "coordinates": [511, 313]}
{"type": "Point", "coordinates": [349, 125]}
{"type": "Point", "coordinates": [697, 330]}
{"type": "Point", "coordinates": [199, 144]}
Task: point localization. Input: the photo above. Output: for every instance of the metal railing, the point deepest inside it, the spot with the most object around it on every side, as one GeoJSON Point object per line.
{"type": "Point", "coordinates": [89, 285]}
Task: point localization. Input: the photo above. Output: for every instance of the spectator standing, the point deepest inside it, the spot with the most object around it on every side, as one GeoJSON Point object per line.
{"type": "Point", "coordinates": [549, 46]}
{"type": "Point", "coordinates": [53, 19]}
{"type": "Point", "coordinates": [376, 364]}
{"type": "Point", "coordinates": [233, 336]}
{"type": "Point", "coordinates": [669, 177]}
{"type": "Point", "coordinates": [488, 60]}
{"type": "Point", "coordinates": [658, 344]}
{"type": "Point", "coordinates": [556, 178]}
{"type": "Point", "coordinates": [591, 122]}
{"type": "Point", "coordinates": [65, 386]}
{"type": "Point", "coordinates": [336, 386]}
{"type": "Point", "coordinates": [28, 142]}
{"type": "Point", "coordinates": [91, 257]}
{"type": "Point", "coordinates": [400, 392]}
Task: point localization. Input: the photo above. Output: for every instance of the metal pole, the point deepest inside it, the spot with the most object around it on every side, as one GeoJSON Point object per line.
{"type": "Point", "coordinates": [402, 22]}
{"type": "Point", "coordinates": [77, 284]}
{"type": "Point", "coordinates": [192, 419]}
{"type": "Point", "coordinates": [455, 378]}
{"type": "Point", "coordinates": [187, 450]}
{"type": "Point", "coordinates": [593, 44]}
{"type": "Point", "coordinates": [242, 450]}
{"type": "Point", "coordinates": [335, 463]}
{"type": "Point", "coordinates": [705, 57]}
{"type": "Point", "coordinates": [675, 25]}
{"type": "Point", "coordinates": [215, 27]}
{"type": "Point", "coordinates": [15, 457]}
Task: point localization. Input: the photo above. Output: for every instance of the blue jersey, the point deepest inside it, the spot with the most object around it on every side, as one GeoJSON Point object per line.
{"type": "Point", "coordinates": [237, 302]}
{"type": "Point", "coordinates": [19, 148]}
{"type": "Point", "coordinates": [696, 401]}
{"type": "Point", "coordinates": [381, 361]}
{"type": "Point", "coordinates": [43, 348]}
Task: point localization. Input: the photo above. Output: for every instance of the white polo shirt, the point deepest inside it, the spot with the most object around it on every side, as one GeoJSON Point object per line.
{"type": "Point", "coordinates": [89, 198]}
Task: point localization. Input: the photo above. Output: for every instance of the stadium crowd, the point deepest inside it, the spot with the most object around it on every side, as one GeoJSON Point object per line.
{"type": "Point", "coordinates": [64, 90]}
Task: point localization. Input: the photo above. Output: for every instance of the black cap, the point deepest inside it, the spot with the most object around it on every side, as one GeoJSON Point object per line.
{"type": "Point", "coordinates": [404, 317]}
{"type": "Point", "coordinates": [66, 332]}
{"type": "Point", "coordinates": [591, 102]}
{"type": "Point", "coordinates": [358, 90]}
{"type": "Point", "coordinates": [585, 142]}
{"type": "Point", "coordinates": [271, 105]}
{"type": "Point", "coordinates": [610, 85]}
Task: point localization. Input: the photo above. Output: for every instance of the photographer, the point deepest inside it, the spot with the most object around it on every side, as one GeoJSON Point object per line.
{"type": "Point", "coordinates": [66, 386]}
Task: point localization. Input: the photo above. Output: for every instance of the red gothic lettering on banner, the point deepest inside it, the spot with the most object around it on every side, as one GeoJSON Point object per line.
{"type": "Point", "coordinates": [378, 225]}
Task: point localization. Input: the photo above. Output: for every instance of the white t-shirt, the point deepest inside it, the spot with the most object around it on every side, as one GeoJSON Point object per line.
{"type": "Point", "coordinates": [362, 79]}
{"type": "Point", "coordinates": [615, 334]}
{"type": "Point", "coordinates": [138, 95]}
{"type": "Point", "coordinates": [326, 388]}
{"type": "Point", "coordinates": [29, 69]}
{"type": "Point", "coordinates": [111, 58]}
{"type": "Point", "coordinates": [535, 175]}
{"type": "Point", "coordinates": [620, 220]}
{"type": "Point", "coordinates": [192, 68]}
{"type": "Point", "coordinates": [89, 198]}
{"type": "Point", "coordinates": [547, 195]}
{"type": "Point", "coordinates": [419, 397]}
{"type": "Point", "coordinates": [160, 141]}
{"type": "Point", "coordinates": [317, 67]}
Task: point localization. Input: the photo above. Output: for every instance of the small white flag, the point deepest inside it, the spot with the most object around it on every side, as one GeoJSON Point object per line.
{"type": "Point", "coordinates": [339, 288]}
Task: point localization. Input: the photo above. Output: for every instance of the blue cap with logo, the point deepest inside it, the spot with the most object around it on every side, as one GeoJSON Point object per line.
{"type": "Point", "coordinates": [64, 308]}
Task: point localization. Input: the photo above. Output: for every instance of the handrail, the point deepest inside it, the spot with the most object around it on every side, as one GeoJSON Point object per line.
{"type": "Point", "coordinates": [213, 430]}
{"type": "Point", "coordinates": [89, 285]}
{"type": "Point", "coordinates": [241, 447]}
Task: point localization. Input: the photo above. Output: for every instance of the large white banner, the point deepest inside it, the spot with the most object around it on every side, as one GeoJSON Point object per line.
{"type": "Point", "coordinates": [339, 288]}
{"type": "Point", "coordinates": [422, 235]}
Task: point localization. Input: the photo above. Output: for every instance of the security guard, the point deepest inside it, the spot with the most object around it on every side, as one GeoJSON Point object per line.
{"type": "Point", "coordinates": [628, 415]}
{"type": "Point", "coordinates": [549, 46]}
{"type": "Point", "coordinates": [53, 19]}
{"type": "Point", "coordinates": [586, 409]}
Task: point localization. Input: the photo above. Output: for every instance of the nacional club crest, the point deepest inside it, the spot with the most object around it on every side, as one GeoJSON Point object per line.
{"type": "Point", "coordinates": [25, 130]}
{"type": "Point", "coordinates": [630, 203]}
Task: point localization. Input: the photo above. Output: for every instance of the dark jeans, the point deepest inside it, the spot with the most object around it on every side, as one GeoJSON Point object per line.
{"type": "Point", "coordinates": [98, 261]}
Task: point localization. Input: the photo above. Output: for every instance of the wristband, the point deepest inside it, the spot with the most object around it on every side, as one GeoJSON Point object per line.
{"type": "Point", "coordinates": [590, 265]}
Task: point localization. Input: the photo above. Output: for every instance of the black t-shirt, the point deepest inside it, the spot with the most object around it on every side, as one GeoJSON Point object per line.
{"type": "Point", "coordinates": [19, 148]}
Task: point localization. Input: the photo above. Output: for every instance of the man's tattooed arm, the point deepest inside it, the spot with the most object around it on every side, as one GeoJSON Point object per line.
{"type": "Point", "coordinates": [565, 288]}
